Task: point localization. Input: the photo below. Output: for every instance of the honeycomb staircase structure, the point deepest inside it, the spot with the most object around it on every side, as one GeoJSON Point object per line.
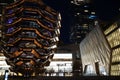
{"type": "Point", "coordinates": [31, 33]}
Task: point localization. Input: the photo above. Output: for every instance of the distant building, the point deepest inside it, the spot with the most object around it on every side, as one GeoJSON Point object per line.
{"type": "Point", "coordinates": [32, 32]}
{"type": "Point", "coordinates": [84, 15]}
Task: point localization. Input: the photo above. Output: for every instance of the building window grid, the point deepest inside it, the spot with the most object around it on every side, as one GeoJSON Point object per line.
{"type": "Point", "coordinates": [116, 58]}
{"type": "Point", "coordinates": [114, 38]}
{"type": "Point", "coordinates": [111, 28]}
{"type": "Point", "coordinates": [116, 51]}
{"type": "Point", "coordinates": [114, 41]}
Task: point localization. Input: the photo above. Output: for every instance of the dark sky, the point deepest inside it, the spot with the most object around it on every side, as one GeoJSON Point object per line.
{"type": "Point", "coordinates": [62, 6]}
{"type": "Point", "coordinates": [105, 10]}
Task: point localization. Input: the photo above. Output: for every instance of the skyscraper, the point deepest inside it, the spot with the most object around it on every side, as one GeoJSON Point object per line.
{"type": "Point", "coordinates": [84, 15]}
{"type": "Point", "coordinates": [31, 33]}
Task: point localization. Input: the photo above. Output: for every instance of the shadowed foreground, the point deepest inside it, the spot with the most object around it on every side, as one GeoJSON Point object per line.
{"type": "Point", "coordinates": [64, 78]}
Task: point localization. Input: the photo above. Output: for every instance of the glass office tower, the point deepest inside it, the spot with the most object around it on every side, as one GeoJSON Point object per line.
{"type": "Point", "coordinates": [31, 30]}
{"type": "Point", "coordinates": [84, 15]}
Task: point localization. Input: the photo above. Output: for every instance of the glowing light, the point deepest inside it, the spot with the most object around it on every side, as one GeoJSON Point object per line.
{"type": "Point", "coordinates": [57, 39]}
{"type": "Point", "coordinates": [72, 2]}
{"type": "Point", "coordinates": [92, 17]}
{"type": "Point", "coordinates": [78, 13]}
{"type": "Point", "coordinates": [85, 10]}
{"type": "Point", "coordinates": [119, 29]}
{"type": "Point", "coordinates": [58, 31]}
{"type": "Point", "coordinates": [10, 21]}
{"type": "Point", "coordinates": [92, 12]}
{"type": "Point", "coordinates": [63, 56]}
{"type": "Point", "coordinates": [85, 6]}
{"type": "Point", "coordinates": [6, 75]}
{"type": "Point", "coordinates": [52, 47]}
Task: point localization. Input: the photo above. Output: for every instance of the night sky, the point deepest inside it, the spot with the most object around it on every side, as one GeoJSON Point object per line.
{"type": "Point", "coordinates": [106, 10]}
{"type": "Point", "coordinates": [62, 6]}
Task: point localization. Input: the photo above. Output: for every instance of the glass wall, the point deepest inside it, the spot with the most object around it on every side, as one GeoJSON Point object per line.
{"type": "Point", "coordinates": [113, 37]}
{"type": "Point", "coordinates": [90, 71]}
{"type": "Point", "coordinates": [61, 65]}
{"type": "Point", "coordinates": [115, 67]}
{"type": "Point", "coordinates": [111, 28]}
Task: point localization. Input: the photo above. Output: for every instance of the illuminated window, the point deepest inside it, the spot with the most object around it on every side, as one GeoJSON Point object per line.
{"type": "Point", "coordinates": [116, 51]}
{"type": "Point", "coordinates": [112, 27]}
{"type": "Point", "coordinates": [86, 11]}
{"type": "Point", "coordinates": [113, 38]}
{"type": "Point", "coordinates": [115, 70]}
{"type": "Point", "coordinates": [10, 21]}
{"type": "Point", "coordinates": [92, 12]}
{"type": "Point", "coordinates": [79, 0]}
{"type": "Point", "coordinates": [85, 25]}
{"type": "Point", "coordinates": [72, 2]}
{"type": "Point", "coordinates": [78, 13]}
{"type": "Point", "coordinates": [62, 62]}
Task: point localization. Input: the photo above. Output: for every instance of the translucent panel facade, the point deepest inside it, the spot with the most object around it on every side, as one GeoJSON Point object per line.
{"type": "Point", "coordinates": [95, 51]}
{"type": "Point", "coordinates": [30, 36]}
{"type": "Point", "coordinates": [102, 50]}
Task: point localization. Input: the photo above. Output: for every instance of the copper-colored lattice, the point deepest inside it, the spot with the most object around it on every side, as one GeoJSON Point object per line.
{"type": "Point", "coordinates": [30, 29]}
